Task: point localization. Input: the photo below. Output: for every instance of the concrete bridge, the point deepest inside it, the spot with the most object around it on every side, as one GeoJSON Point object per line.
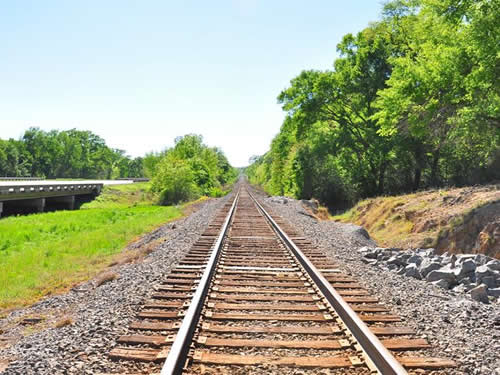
{"type": "Point", "coordinates": [40, 195]}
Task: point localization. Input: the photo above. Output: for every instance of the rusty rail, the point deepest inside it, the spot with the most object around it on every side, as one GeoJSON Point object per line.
{"type": "Point", "coordinates": [180, 347]}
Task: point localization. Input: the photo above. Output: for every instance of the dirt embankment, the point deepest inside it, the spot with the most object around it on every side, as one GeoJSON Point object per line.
{"type": "Point", "coordinates": [462, 220]}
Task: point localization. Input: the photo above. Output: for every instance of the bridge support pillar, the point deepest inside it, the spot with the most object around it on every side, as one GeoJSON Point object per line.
{"type": "Point", "coordinates": [66, 203]}
{"type": "Point", "coordinates": [1, 208]}
{"type": "Point", "coordinates": [40, 204]}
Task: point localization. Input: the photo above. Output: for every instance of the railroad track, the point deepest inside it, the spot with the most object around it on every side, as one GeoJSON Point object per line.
{"type": "Point", "coordinates": [254, 296]}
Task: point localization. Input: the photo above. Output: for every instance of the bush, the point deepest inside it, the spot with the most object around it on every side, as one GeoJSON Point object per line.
{"type": "Point", "coordinates": [191, 169]}
{"type": "Point", "coordinates": [174, 180]}
{"type": "Point", "coordinates": [216, 192]}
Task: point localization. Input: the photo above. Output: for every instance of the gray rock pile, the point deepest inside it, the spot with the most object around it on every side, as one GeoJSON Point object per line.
{"type": "Point", "coordinates": [476, 274]}
{"type": "Point", "coordinates": [279, 199]}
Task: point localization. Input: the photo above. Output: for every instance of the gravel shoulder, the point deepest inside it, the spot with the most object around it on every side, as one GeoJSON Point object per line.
{"type": "Point", "coordinates": [92, 316]}
{"type": "Point", "coordinates": [458, 327]}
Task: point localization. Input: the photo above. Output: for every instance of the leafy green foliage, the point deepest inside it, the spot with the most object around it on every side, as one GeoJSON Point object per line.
{"type": "Point", "coordinates": [65, 154]}
{"type": "Point", "coordinates": [14, 158]}
{"type": "Point", "coordinates": [191, 169]}
{"type": "Point", "coordinates": [413, 101]}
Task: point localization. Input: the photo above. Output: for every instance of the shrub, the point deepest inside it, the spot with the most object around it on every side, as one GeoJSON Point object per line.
{"type": "Point", "coordinates": [174, 180]}
{"type": "Point", "coordinates": [189, 170]}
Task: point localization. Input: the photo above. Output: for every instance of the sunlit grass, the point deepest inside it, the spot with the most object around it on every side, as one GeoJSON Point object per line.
{"type": "Point", "coordinates": [381, 218]}
{"type": "Point", "coordinates": [115, 196]}
{"type": "Point", "coordinates": [49, 252]}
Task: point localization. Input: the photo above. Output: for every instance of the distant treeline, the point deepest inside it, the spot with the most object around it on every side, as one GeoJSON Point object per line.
{"type": "Point", "coordinates": [186, 171]}
{"type": "Point", "coordinates": [65, 154]}
{"type": "Point", "coordinates": [413, 102]}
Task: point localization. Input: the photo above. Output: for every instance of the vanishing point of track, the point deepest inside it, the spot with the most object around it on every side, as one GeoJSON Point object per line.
{"type": "Point", "coordinates": [253, 296]}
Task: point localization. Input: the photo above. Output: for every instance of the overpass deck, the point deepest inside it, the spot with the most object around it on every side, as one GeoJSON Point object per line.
{"type": "Point", "coordinates": [35, 194]}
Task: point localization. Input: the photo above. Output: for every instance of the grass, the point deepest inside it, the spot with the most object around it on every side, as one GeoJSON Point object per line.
{"type": "Point", "coordinates": [47, 253]}
{"type": "Point", "coordinates": [65, 321]}
{"type": "Point", "coordinates": [381, 217]}
{"type": "Point", "coordinates": [130, 195]}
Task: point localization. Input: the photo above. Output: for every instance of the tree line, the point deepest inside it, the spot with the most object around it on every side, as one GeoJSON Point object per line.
{"type": "Point", "coordinates": [186, 171]}
{"type": "Point", "coordinates": [65, 154]}
{"type": "Point", "coordinates": [412, 102]}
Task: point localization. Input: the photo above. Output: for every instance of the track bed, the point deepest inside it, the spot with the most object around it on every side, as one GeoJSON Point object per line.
{"type": "Point", "coordinates": [262, 310]}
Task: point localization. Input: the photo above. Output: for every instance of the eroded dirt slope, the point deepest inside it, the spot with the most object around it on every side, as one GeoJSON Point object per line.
{"type": "Point", "coordinates": [461, 220]}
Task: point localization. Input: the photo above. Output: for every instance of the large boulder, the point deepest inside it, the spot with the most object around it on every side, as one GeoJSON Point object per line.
{"type": "Point", "coordinates": [279, 199]}
{"type": "Point", "coordinates": [442, 284]}
{"type": "Point", "coordinates": [467, 280]}
{"type": "Point", "coordinates": [479, 293]}
{"type": "Point", "coordinates": [481, 272]}
{"type": "Point", "coordinates": [365, 249]}
{"type": "Point", "coordinates": [426, 252]}
{"type": "Point", "coordinates": [495, 292]}
{"type": "Point", "coordinates": [368, 252]}
{"type": "Point", "coordinates": [411, 270]}
{"type": "Point", "coordinates": [490, 281]}
{"type": "Point", "coordinates": [451, 260]}
{"type": "Point", "coordinates": [397, 260]}
{"type": "Point", "coordinates": [428, 266]}
{"type": "Point", "coordinates": [401, 271]}
{"type": "Point", "coordinates": [465, 268]}
{"type": "Point", "coordinates": [359, 233]}
{"type": "Point", "coordinates": [463, 257]}
{"type": "Point", "coordinates": [442, 274]}
{"type": "Point", "coordinates": [386, 254]}
{"type": "Point", "coordinates": [464, 286]}
{"type": "Point", "coordinates": [481, 259]}
{"type": "Point", "coordinates": [493, 265]}
{"type": "Point", "coordinates": [311, 204]}
{"type": "Point", "coordinates": [415, 259]}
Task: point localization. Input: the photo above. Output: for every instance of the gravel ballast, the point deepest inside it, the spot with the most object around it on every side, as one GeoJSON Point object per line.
{"type": "Point", "coordinates": [98, 315]}
{"type": "Point", "coordinates": [458, 327]}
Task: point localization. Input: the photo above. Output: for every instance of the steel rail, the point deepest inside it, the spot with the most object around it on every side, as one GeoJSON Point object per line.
{"type": "Point", "coordinates": [380, 357]}
{"type": "Point", "coordinates": [177, 355]}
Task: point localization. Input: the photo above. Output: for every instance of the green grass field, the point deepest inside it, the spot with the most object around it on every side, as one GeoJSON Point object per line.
{"type": "Point", "coordinates": [47, 253]}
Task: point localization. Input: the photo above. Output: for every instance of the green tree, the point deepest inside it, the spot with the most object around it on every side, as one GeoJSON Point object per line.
{"type": "Point", "coordinates": [174, 180]}
{"type": "Point", "coordinates": [413, 101]}
{"type": "Point", "coordinates": [340, 103]}
{"type": "Point", "coordinates": [190, 169]}
{"type": "Point", "coordinates": [14, 160]}
{"type": "Point", "coordinates": [442, 97]}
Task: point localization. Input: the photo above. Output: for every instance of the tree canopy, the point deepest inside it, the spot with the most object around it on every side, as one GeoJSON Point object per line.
{"type": "Point", "coordinates": [65, 154]}
{"type": "Point", "coordinates": [412, 101]}
{"type": "Point", "coordinates": [191, 169]}
{"type": "Point", "coordinates": [186, 171]}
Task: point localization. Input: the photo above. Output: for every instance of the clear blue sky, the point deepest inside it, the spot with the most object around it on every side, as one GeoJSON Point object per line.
{"type": "Point", "coordinates": [140, 73]}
